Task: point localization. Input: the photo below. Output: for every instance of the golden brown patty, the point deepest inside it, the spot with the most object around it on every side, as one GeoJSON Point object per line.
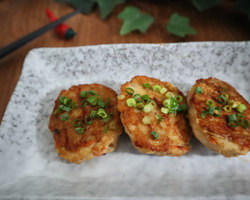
{"type": "Point", "coordinates": [154, 132]}
{"type": "Point", "coordinates": [85, 122]}
{"type": "Point", "coordinates": [219, 117]}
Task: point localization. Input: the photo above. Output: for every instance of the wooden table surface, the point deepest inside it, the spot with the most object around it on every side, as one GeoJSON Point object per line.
{"type": "Point", "coordinates": [18, 18]}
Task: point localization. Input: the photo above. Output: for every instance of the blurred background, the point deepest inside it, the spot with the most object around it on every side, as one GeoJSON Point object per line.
{"type": "Point", "coordinates": [221, 22]}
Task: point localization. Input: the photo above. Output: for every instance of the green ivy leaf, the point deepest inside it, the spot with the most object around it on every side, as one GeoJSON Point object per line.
{"type": "Point", "coordinates": [133, 19]}
{"type": "Point", "coordinates": [202, 5]}
{"type": "Point", "coordinates": [106, 6]}
{"type": "Point", "coordinates": [179, 25]}
{"type": "Point", "coordinates": [85, 5]}
{"type": "Point", "coordinates": [244, 7]}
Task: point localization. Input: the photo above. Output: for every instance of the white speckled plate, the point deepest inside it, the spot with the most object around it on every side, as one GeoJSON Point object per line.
{"type": "Point", "coordinates": [31, 169]}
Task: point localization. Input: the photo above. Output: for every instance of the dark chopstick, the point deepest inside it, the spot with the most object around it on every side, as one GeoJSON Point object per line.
{"type": "Point", "coordinates": [24, 40]}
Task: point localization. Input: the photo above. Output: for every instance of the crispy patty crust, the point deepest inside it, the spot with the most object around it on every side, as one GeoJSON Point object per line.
{"type": "Point", "coordinates": [219, 117]}
{"type": "Point", "coordinates": [150, 130]}
{"type": "Point", "coordinates": [85, 122]}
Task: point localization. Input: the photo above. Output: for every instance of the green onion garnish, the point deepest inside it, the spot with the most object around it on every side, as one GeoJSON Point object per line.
{"type": "Point", "coordinates": [163, 90]}
{"type": "Point", "coordinates": [227, 108]}
{"type": "Point", "coordinates": [239, 116]}
{"type": "Point", "coordinates": [164, 110]}
{"type": "Point", "coordinates": [92, 100]}
{"type": "Point", "coordinates": [139, 106]}
{"type": "Point", "coordinates": [155, 135]}
{"type": "Point", "coordinates": [77, 123]}
{"type": "Point", "coordinates": [88, 120]}
{"type": "Point", "coordinates": [147, 108]}
{"type": "Point", "coordinates": [178, 98]}
{"type": "Point", "coordinates": [101, 103]}
{"type": "Point", "coordinates": [156, 88]}
{"type": "Point", "coordinates": [210, 102]}
{"type": "Point", "coordinates": [83, 94]}
{"type": "Point", "coordinates": [129, 91]}
{"type": "Point", "coordinates": [234, 124]}
{"type": "Point", "coordinates": [93, 113]}
{"type": "Point", "coordinates": [146, 120]}
{"type": "Point", "coordinates": [225, 95]}
{"type": "Point", "coordinates": [64, 117]}
{"type": "Point", "coordinates": [166, 103]}
{"type": "Point", "coordinates": [80, 130]}
{"type": "Point", "coordinates": [137, 97]}
{"type": "Point", "coordinates": [232, 117]}
{"type": "Point", "coordinates": [169, 94]}
{"type": "Point", "coordinates": [198, 90]}
{"type": "Point", "coordinates": [221, 99]}
{"type": "Point", "coordinates": [146, 85]}
{"type": "Point", "coordinates": [145, 98]}
{"type": "Point", "coordinates": [203, 114]}
{"type": "Point", "coordinates": [101, 112]}
{"type": "Point", "coordinates": [173, 104]}
{"type": "Point", "coordinates": [108, 118]}
{"type": "Point", "coordinates": [217, 111]}
{"type": "Point", "coordinates": [105, 128]}
{"type": "Point", "coordinates": [241, 108]}
{"type": "Point", "coordinates": [230, 102]}
{"type": "Point", "coordinates": [211, 110]}
{"type": "Point", "coordinates": [159, 118]}
{"type": "Point", "coordinates": [64, 100]}
{"type": "Point", "coordinates": [131, 102]}
{"type": "Point", "coordinates": [65, 108]}
{"type": "Point", "coordinates": [235, 104]}
{"type": "Point", "coordinates": [92, 92]}
{"type": "Point", "coordinates": [245, 124]}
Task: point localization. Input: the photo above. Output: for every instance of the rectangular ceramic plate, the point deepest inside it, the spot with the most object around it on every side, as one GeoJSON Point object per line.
{"type": "Point", "coordinates": [31, 169]}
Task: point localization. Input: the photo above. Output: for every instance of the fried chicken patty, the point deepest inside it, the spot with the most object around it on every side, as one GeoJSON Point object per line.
{"type": "Point", "coordinates": [85, 122]}
{"type": "Point", "coordinates": [219, 117]}
{"type": "Point", "coordinates": [153, 115]}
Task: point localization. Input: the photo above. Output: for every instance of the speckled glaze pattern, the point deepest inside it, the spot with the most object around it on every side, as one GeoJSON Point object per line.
{"type": "Point", "coordinates": [31, 169]}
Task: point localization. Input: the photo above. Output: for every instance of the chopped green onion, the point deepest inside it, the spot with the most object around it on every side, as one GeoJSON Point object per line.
{"type": "Point", "coordinates": [239, 116]}
{"type": "Point", "coordinates": [64, 117]}
{"type": "Point", "coordinates": [203, 114]}
{"type": "Point", "coordinates": [129, 91]}
{"type": "Point", "coordinates": [198, 90]}
{"type": "Point", "coordinates": [105, 128]}
{"type": "Point", "coordinates": [234, 124]}
{"type": "Point", "coordinates": [211, 110]}
{"type": "Point", "coordinates": [64, 100]}
{"type": "Point", "coordinates": [163, 90]}
{"type": "Point", "coordinates": [235, 104]}
{"type": "Point", "coordinates": [131, 102]}
{"type": "Point", "coordinates": [156, 88]}
{"type": "Point", "coordinates": [159, 118]}
{"type": "Point", "coordinates": [173, 104]}
{"type": "Point", "coordinates": [178, 98]}
{"type": "Point", "coordinates": [245, 124]}
{"type": "Point", "coordinates": [241, 108]}
{"type": "Point", "coordinates": [101, 103]}
{"type": "Point", "coordinates": [166, 103]}
{"type": "Point", "coordinates": [108, 118]}
{"type": "Point", "coordinates": [183, 107]}
{"type": "Point", "coordinates": [65, 108]}
{"type": "Point", "coordinates": [92, 100]}
{"type": "Point", "coordinates": [230, 102]}
{"type": "Point", "coordinates": [146, 85]}
{"type": "Point", "coordinates": [210, 102]}
{"type": "Point", "coordinates": [225, 95]}
{"type": "Point", "coordinates": [101, 112]}
{"type": "Point", "coordinates": [146, 120]}
{"type": "Point", "coordinates": [137, 97]}
{"type": "Point", "coordinates": [93, 113]}
{"type": "Point", "coordinates": [88, 120]}
{"type": "Point", "coordinates": [57, 111]}
{"type": "Point", "coordinates": [77, 123]}
{"type": "Point", "coordinates": [139, 106]}
{"type": "Point", "coordinates": [221, 99]}
{"type": "Point", "coordinates": [232, 117]}
{"type": "Point", "coordinates": [80, 130]}
{"type": "Point", "coordinates": [92, 92]}
{"type": "Point", "coordinates": [169, 94]}
{"type": "Point", "coordinates": [164, 110]}
{"type": "Point", "coordinates": [146, 98]}
{"type": "Point", "coordinates": [121, 97]}
{"type": "Point", "coordinates": [155, 135]}
{"type": "Point", "coordinates": [217, 111]}
{"type": "Point", "coordinates": [147, 108]}
{"type": "Point", "coordinates": [227, 108]}
{"type": "Point", "coordinates": [153, 104]}
{"type": "Point", "coordinates": [83, 94]}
